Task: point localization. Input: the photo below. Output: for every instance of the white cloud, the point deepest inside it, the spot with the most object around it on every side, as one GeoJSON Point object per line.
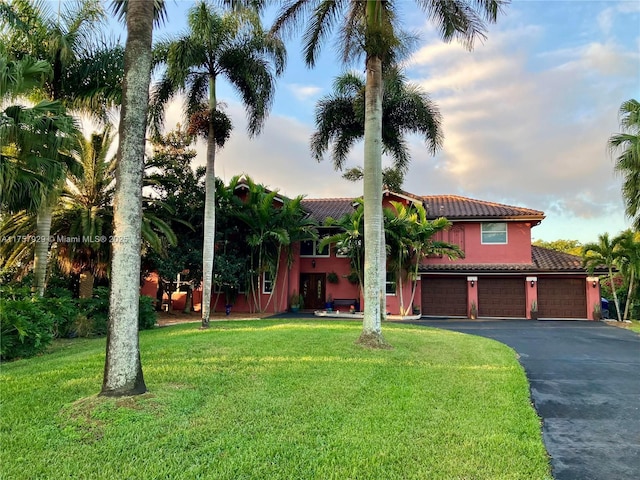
{"type": "Point", "coordinates": [303, 92]}
{"type": "Point", "coordinates": [528, 136]}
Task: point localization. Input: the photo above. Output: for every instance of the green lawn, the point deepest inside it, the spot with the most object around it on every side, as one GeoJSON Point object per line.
{"type": "Point", "coordinates": [276, 400]}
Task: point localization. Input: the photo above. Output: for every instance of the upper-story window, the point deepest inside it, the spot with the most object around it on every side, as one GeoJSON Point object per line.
{"type": "Point", "coordinates": [494, 233]}
{"type": "Point", "coordinates": [310, 248]}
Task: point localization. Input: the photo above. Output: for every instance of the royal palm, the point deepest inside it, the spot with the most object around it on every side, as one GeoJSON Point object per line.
{"type": "Point", "coordinates": [232, 46]}
{"type": "Point", "coordinates": [370, 30]}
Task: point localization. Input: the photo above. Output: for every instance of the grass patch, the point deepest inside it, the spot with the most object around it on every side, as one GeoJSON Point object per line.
{"type": "Point", "coordinates": [276, 400]}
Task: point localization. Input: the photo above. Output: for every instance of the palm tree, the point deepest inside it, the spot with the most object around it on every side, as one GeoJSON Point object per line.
{"type": "Point", "coordinates": [233, 46]}
{"type": "Point", "coordinates": [410, 238]}
{"type": "Point", "coordinates": [86, 69]}
{"type": "Point", "coordinates": [599, 254]}
{"type": "Point", "coordinates": [271, 231]}
{"type": "Point", "coordinates": [349, 241]}
{"type": "Point", "coordinates": [38, 149]}
{"type": "Point", "coordinates": [627, 253]}
{"type": "Point", "coordinates": [405, 109]}
{"type": "Point", "coordinates": [123, 368]}
{"type": "Point", "coordinates": [370, 29]}
{"type": "Point", "coordinates": [628, 162]}
{"type": "Point", "coordinates": [64, 39]}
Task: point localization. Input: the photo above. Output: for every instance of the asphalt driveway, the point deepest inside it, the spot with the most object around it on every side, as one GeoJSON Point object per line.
{"type": "Point", "coordinates": [585, 385]}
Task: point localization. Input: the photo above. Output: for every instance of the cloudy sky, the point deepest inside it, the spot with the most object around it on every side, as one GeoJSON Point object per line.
{"type": "Point", "coordinates": [526, 114]}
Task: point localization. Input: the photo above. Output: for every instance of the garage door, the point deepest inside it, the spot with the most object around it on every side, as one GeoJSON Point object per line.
{"type": "Point", "coordinates": [562, 298]}
{"type": "Point", "coordinates": [501, 297]}
{"type": "Point", "coordinates": [444, 296]}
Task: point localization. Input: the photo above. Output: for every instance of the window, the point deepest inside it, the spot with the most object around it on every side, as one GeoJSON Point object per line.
{"type": "Point", "coordinates": [310, 248]}
{"type": "Point", "coordinates": [390, 284]}
{"type": "Point", "coordinates": [267, 282]}
{"type": "Point", "coordinates": [494, 233]}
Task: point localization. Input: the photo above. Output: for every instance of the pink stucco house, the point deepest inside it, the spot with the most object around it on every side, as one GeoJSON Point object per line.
{"type": "Point", "coordinates": [501, 276]}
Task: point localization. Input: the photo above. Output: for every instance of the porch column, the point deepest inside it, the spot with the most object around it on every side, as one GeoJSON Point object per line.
{"type": "Point", "coordinates": [472, 296]}
{"type": "Point", "coordinates": [531, 289]}
{"type": "Point", "coordinates": [594, 311]}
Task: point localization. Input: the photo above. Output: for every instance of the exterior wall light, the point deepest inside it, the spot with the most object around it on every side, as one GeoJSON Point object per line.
{"type": "Point", "coordinates": [313, 264]}
{"type": "Point", "coordinates": [595, 283]}
{"type": "Point", "coordinates": [533, 283]}
{"type": "Point", "coordinates": [473, 282]}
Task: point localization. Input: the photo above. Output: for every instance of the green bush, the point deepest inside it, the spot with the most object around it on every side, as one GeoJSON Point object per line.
{"type": "Point", "coordinates": [28, 324]}
{"type": "Point", "coordinates": [95, 313]}
{"type": "Point", "coordinates": [147, 314]}
{"type": "Point", "coordinates": [26, 327]}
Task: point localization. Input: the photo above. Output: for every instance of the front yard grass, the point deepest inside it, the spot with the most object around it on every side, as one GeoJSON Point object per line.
{"type": "Point", "coordinates": [276, 400]}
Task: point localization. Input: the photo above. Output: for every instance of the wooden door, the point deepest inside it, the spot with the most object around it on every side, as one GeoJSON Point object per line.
{"type": "Point", "coordinates": [312, 289]}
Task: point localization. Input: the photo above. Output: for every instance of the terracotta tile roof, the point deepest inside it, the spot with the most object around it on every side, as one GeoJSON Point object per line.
{"type": "Point", "coordinates": [322, 208]}
{"type": "Point", "coordinates": [542, 260]}
{"type": "Point", "coordinates": [456, 207]}
{"type": "Point", "coordinates": [453, 207]}
{"type": "Point", "coordinates": [552, 260]}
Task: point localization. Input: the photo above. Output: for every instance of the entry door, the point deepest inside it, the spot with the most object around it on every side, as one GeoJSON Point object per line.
{"type": "Point", "coordinates": [312, 289]}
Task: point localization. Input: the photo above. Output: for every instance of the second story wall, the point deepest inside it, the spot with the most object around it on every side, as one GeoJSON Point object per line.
{"type": "Point", "coordinates": [500, 242]}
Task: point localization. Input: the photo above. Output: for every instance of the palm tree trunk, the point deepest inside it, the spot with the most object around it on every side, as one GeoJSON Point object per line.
{"type": "Point", "coordinates": [123, 368]}
{"type": "Point", "coordinates": [209, 213]}
{"type": "Point", "coordinates": [41, 254]}
{"type": "Point", "coordinates": [373, 221]}
{"type": "Point", "coordinates": [625, 317]}
{"type": "Point", "coordinates": [615, 295]}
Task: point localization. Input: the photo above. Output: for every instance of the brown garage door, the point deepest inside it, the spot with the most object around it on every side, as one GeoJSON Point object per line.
{"type": "Point", "coordinates": [444, 296]}
{"type": "Point", "coordinates": [501, 297]}
{"type": "Point", "coordinates": [562, 298]}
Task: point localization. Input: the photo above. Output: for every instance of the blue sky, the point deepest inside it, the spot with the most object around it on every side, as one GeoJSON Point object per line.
{"type": "Point", "coordinates": [526, 114]}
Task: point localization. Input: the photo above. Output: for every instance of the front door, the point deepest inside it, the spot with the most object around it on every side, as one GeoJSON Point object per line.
{"type": "Point", "coordinates": [312, 289]}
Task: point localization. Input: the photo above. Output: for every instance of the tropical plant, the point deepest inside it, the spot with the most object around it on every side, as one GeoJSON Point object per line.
{"type": "Point", "coordinates": [405, 109]}
{"type": "Point", "coordinates": [627, 257]}
{"type": "Point", "coordinates": [628, 161]}
{"type": "Point", "coordinates": [410, 240]}
{"type": "Point", "coordinates": [38, 149]}
{"type": "Point", "coordinates": [349, 240]}
{"type": "Point", "coordinates": [602, 254]}
{"type": "Point", "coordinates": [66, 40]}
{"type": "Point", "coordinates": [69, 39]}
{"type": "Point", "coordinates": [230, 45]}
{"type": "Point", "coordinates": [370, 29]}
{"type": "Point", "coordinates": [176, 196]}
{"type": "Point", "coordinates": [82, 221]}
{"type": "Point", "coordinates": [271, 231]}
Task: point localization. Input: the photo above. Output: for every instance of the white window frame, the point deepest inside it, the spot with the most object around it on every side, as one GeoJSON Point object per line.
{"type": "Point", "coordinates": [390, 281]}
{"type": "Point", "coordinates": [267, 283]}
{"type": "Point", "coordinates": [482, 233]}
{"type": "Point", "coordinates": [315, 250]}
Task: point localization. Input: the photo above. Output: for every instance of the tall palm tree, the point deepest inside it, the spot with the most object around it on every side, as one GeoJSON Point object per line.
{"type": "Point", "coordinates": [370, 28]}
{"type": "Point", "coordinates": [405, 109]}
{"type": "Point", "coordinates": [123, 368]}
{"type": "Point", "coordinates": [628, 162]}
{"type": "Point", "coordinates": [233, 46]}
{"type": "Point", "coordinates": [602, 253]}
{"type": "Point", "coordinates": [85, 75]}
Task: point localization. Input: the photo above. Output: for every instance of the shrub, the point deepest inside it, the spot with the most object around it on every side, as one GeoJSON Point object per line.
{"type": "Point", "coordinates": [26, 327]}
{"type": "Point", "coordinates": [95, 312]}
{"type": "Point", "coordinates": [147, 315]}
